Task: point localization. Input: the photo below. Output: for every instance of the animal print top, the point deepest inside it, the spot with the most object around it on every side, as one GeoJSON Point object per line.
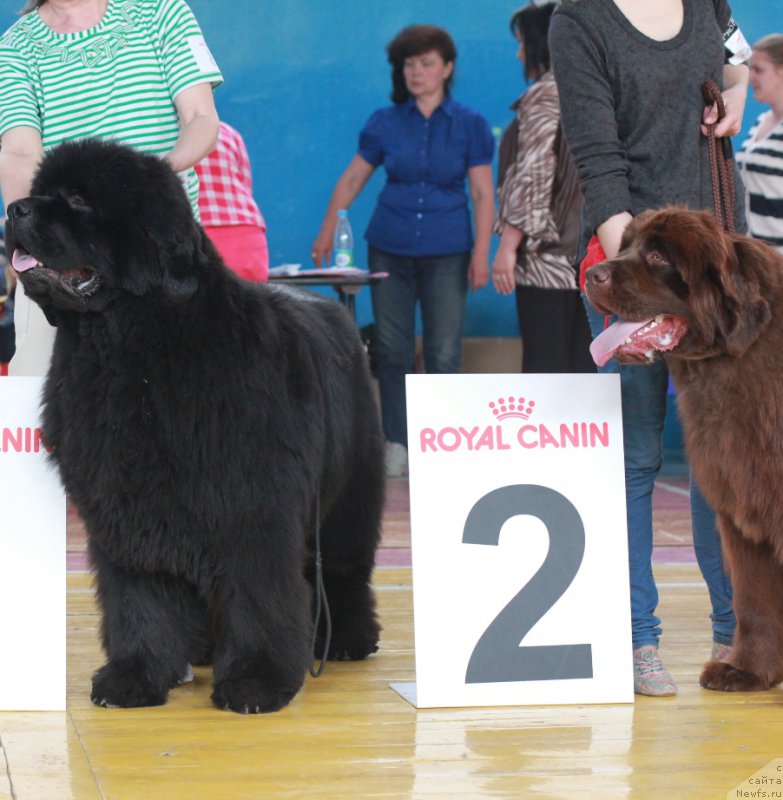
{"type": "Point", "coordinates": [538, 195]}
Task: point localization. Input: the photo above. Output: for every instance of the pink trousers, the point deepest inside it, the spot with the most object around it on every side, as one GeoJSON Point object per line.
{"type": "Point", "coordinates": [243, 248]}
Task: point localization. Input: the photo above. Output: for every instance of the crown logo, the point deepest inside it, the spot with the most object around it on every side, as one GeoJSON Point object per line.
{"type": "Point", "coordinates": [505, 407]}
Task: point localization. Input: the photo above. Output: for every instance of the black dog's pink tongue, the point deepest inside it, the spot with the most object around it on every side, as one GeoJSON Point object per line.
{"type": "Point", "coordinates": [22, 261]}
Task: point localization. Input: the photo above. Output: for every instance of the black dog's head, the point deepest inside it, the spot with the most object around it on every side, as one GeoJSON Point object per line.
{"type": "Point", "coordinates": [103, 220]}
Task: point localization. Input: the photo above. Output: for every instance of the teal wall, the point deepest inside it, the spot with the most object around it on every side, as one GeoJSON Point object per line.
{"type": "Point", "coordinates": [302, 76]}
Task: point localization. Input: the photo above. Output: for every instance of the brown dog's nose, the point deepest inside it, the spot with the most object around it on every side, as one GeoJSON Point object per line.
{"type": "Point", "coordinates": [598, 274]}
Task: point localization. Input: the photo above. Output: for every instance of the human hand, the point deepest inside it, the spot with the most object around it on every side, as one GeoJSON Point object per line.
{"type": "Point", "coordinates": [503, 270]}
{"type": "Point", "coordinates": [478, 273]}
{"type": "Point", "coordinates": [734, 104]}
{"type": "Point", "coordinates": [322, 250]}
{"type": "Point", "coordinates": [610, 233]}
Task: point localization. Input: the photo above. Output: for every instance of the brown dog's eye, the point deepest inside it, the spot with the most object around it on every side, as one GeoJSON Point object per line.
{"type": "Point", "coordinates": [656, 258]}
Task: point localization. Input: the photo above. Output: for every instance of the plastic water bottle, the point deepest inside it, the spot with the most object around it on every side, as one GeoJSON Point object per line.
{"type": "Point", "coordinates": [343, 241]}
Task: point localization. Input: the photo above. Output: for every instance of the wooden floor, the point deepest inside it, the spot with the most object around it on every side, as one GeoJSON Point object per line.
{"type": "Point", "coordinates": [348, 735]}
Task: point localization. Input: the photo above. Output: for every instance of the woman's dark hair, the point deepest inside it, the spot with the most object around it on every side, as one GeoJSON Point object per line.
{"type": "Point", "coordinates": [531, 26]}
{"type": "Point", "coordinates": [414, 41]}
{"type": "Point", "coordinates": [31, 5]}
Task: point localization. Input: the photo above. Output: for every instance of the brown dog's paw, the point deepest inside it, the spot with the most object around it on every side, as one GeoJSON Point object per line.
{"type": "Point", "coordinates": [725, 678]}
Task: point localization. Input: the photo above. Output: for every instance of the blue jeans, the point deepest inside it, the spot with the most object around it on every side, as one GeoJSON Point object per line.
{"type": "Point", "coordinates": [643, 390]}
{"type": "Point", "coordinates": [439, 284]}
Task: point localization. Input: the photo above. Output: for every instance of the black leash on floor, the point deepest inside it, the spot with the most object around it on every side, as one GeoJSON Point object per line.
{"type": "Point", "coordinates": [321, 601]}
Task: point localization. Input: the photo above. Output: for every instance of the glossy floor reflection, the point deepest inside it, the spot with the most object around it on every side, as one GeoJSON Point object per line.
{"type": "Point", "coordinates": [349, 735]}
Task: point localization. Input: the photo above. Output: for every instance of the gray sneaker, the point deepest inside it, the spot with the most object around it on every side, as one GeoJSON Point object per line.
{"type": "Point", "coordinates": [650, 677]}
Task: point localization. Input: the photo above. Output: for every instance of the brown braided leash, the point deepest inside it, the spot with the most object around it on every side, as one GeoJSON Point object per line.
{"type": "Point", "coordinates": [721, 157]}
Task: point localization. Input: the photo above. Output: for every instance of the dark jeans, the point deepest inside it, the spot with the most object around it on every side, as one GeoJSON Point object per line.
{"type": "Point", "coordinates": [555, 333]}
{"type": "Point", "coordinates": [439, 284]}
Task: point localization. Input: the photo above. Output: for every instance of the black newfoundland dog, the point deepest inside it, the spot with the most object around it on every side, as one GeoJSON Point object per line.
{"type": "Point", "coordinates": [205, 428]}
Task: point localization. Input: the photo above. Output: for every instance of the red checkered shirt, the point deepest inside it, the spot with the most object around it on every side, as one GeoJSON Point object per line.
{"type": "Point", "coordinates": [226, 184]}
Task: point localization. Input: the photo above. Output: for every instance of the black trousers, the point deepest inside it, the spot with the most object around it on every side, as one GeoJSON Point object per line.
{"type": "Point", "coordinates": [6, 343]}
{"type": "Point", "coordinates": [554, 329]}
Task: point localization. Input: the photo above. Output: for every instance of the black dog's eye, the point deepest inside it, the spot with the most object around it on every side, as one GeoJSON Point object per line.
{"type": "Point", "coordinates": [77, 201]}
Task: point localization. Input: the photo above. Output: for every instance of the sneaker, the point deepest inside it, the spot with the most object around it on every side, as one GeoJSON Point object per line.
{"type": "Point", "coordinates": [396, 460]}
{"type": "Point", "coordinates": [650, 677]}
{"type": "Point", "coordinates": [720, 652]}
{"type": "Point", "coordinates": [187, 677]}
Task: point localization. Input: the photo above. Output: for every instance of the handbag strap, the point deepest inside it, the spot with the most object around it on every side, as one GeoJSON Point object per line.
{"type": "Point", "coordinates": [721, 157]}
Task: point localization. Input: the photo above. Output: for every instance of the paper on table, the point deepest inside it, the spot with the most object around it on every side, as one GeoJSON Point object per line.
{"type": "Point", "coordinates": [284, 269]}
{"type": "Point", "coordinates": [347, 272]}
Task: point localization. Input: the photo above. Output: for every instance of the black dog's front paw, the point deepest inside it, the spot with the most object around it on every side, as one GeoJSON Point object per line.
{"type": "Point", "coordinates": [251, 696]}
{"type": "Point", "coordinates": [125, 686]}
{"type": "Point", "coordinates": [354, 641]}
{"type": "Point", "coordinates": [351, 647]}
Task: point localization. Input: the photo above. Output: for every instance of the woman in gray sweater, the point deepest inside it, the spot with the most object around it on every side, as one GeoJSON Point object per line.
{"type": "Point", "coordinates": [630, 73]}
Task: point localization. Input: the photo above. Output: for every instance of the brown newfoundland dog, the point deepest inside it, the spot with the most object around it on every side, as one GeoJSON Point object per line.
{"type": "Point", "coordinates": [712, 302]}
{"type": "Point", "coordinates": [205, 427]}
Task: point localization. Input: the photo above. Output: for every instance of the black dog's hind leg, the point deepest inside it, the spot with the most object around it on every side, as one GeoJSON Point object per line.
{"type": "Point", "coordinates": [261, 610]}
{"type": "Point", "coordinates": [349, 538]}
{"type": "Point", "coordinates": [150, 629]}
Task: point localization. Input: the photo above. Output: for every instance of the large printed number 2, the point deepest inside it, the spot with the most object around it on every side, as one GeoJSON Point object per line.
{"type": "Point", "coordinates": [498, 655]}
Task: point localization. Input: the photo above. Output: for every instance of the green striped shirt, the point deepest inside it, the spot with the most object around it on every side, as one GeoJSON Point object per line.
{"type": "Point", "coordinates": [117, 79]}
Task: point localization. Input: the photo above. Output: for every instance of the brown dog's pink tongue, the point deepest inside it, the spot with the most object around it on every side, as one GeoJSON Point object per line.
{"type": "Point", "coordinates": [605, 344]}
{"type": "Point", "coordinates": [21, 262]}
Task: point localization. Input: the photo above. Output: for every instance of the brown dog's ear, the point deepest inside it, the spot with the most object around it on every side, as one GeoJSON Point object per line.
{"type": "Point", "coordinates": [750, 322]}
{"type": "Point", "coordinates": [746, 310]}
{"type": "Point", "coordinates": [725, 275]}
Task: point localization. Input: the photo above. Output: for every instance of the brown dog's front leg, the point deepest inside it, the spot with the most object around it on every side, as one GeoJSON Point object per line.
{"type": "Point", "coordinates": [756, 661]}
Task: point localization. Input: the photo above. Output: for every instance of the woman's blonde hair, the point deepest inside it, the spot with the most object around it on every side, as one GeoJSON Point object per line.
{"type": "Point", "coordinates": [772, 45]}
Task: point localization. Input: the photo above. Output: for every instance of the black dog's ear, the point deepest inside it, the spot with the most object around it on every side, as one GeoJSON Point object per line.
{"type": "Point", "coordinates": [171, 265]}
{"type": "Point", "coordinates": [179, 289]}
{"type": "Point", "coordinates": [180, 261]}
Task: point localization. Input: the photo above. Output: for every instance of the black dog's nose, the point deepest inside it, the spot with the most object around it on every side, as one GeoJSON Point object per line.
{"type": "Point", "coordinates": [598, 274]}
{"type": "Point", "coordinates": [19, 208]}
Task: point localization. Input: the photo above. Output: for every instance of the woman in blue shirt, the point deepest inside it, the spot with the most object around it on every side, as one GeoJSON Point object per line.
{"type": "Point", "coordinates": [420, 232]}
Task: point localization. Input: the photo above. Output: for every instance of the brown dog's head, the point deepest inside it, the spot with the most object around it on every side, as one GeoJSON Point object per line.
{"type": "Point", "coordinates": [681, 284]}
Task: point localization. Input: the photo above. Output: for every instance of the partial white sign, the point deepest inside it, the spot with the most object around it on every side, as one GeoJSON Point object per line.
{"type": "Point", "coordinates": [520, 565]}
{"type": "Point", "coordinates": [32, 557]}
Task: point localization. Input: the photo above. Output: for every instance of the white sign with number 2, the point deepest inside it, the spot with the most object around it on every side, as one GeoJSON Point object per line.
{"type": "Point", "coordinates": [520, 564]}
